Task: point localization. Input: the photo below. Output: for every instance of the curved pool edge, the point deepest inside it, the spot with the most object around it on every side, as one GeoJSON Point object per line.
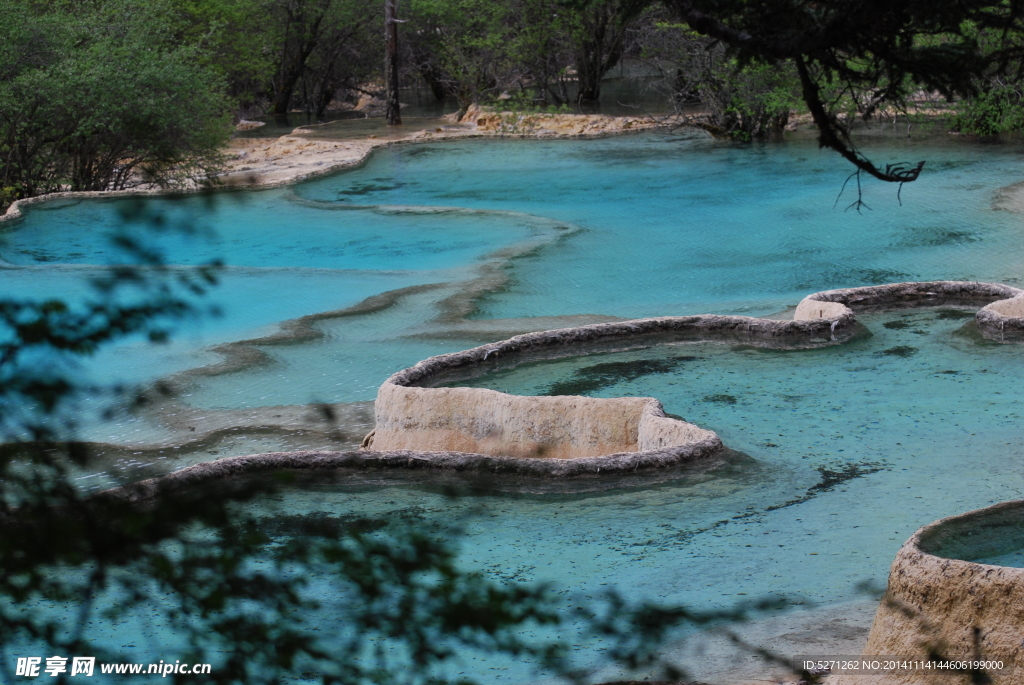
{"type": "Point", "coordinates": [409, 414]}
{"type": "Point", "coordinates": [313, 461]}
{"type": "Point", "coordinates": [553, 430]}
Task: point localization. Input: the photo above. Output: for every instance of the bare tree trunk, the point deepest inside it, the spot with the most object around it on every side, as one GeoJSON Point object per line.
{"type": "Point", "coordinates": [394, 117]}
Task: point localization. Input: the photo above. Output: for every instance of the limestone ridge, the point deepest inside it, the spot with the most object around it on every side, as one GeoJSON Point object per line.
{"type": "Point", "coordinates": [1002, 319]}
{"type": "Point", "coordinates": [560, 436]}
{"type": "Point", "coordinates": [615, 434]}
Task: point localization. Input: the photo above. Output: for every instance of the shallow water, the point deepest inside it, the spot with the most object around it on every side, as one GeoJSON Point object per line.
{"type": "Point", "coordinates": [841, 452]}
{"type": "Point", "coordinates": [995, 538]}
{"type": "Point", "coordinates": [1013, 558]}
{"type": "Point", "coordinates": [670, 224]}
{"type": "Point", "coordinates": [855, 445]}
{"type": "Point", "coordinates": [679, 225]}
{"type": "Point", "coordinates": [284, 259]}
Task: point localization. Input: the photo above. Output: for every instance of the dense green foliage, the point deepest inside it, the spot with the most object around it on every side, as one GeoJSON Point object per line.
{"type": "Point", "coordinates": [462, 47]}
{"type": "Point", "coordinates": [998, 108]}
{"type": "Point", "coordinates": [997, 103]}
{"type": "Point", "coordinates": [103, 94]}
{"type": "Point", "coordinates": [548, 51]}
{"type": "Point", "coordinates": [97, 98]}
{"type": "Point", "coordinates": [748, 102]}
{"type": "Point", "coordinates": [276, 55]}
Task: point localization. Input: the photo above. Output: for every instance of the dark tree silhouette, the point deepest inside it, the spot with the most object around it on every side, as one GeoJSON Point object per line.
{"type": "Point", "coordinates": [391, 21]}
{"type": "Point", "coordinates": [880, 51]}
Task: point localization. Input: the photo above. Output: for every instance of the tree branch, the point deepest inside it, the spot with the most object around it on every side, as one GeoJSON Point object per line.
{"type": "Point", "coordinates": [830, 136]}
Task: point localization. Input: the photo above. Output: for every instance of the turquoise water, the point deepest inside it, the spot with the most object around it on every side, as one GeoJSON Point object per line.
{"type": "Point", "coordinates": [854, 447]}
{"type": "Point", "coordinates": [840, 453]}
{"type": "Point", "coordinates": [283, 259]}
{"type": "Point", "coordinates": [680, 225]}
{"type": "Point", "coordinates": [1013, 558]}
{"type": "Point", "coordinates": [260, 230]}
{"type": "Point", "coordinates": [995, 538]}
{"type": "Point", "coordinates": [670, 224]}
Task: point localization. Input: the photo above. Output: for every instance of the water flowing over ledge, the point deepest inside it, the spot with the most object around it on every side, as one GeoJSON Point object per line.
{"type": "Point", "coordinates": [1001, 320]}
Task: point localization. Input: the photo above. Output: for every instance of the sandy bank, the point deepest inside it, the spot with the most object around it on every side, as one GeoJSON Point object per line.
{"type": "Point", "coordinates": [300, 155]}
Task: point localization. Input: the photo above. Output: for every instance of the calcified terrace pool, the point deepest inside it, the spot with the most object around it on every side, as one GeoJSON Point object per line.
{"type": "Point", "coordinates": [837, 454]}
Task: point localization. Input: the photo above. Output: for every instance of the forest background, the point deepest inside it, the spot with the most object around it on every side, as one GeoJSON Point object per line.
{"type": "Point", "coordinates": [104, 94]}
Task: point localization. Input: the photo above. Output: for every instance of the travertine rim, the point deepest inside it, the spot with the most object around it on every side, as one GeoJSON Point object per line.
{"type": "Point", "coordinates": [822, 318]}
